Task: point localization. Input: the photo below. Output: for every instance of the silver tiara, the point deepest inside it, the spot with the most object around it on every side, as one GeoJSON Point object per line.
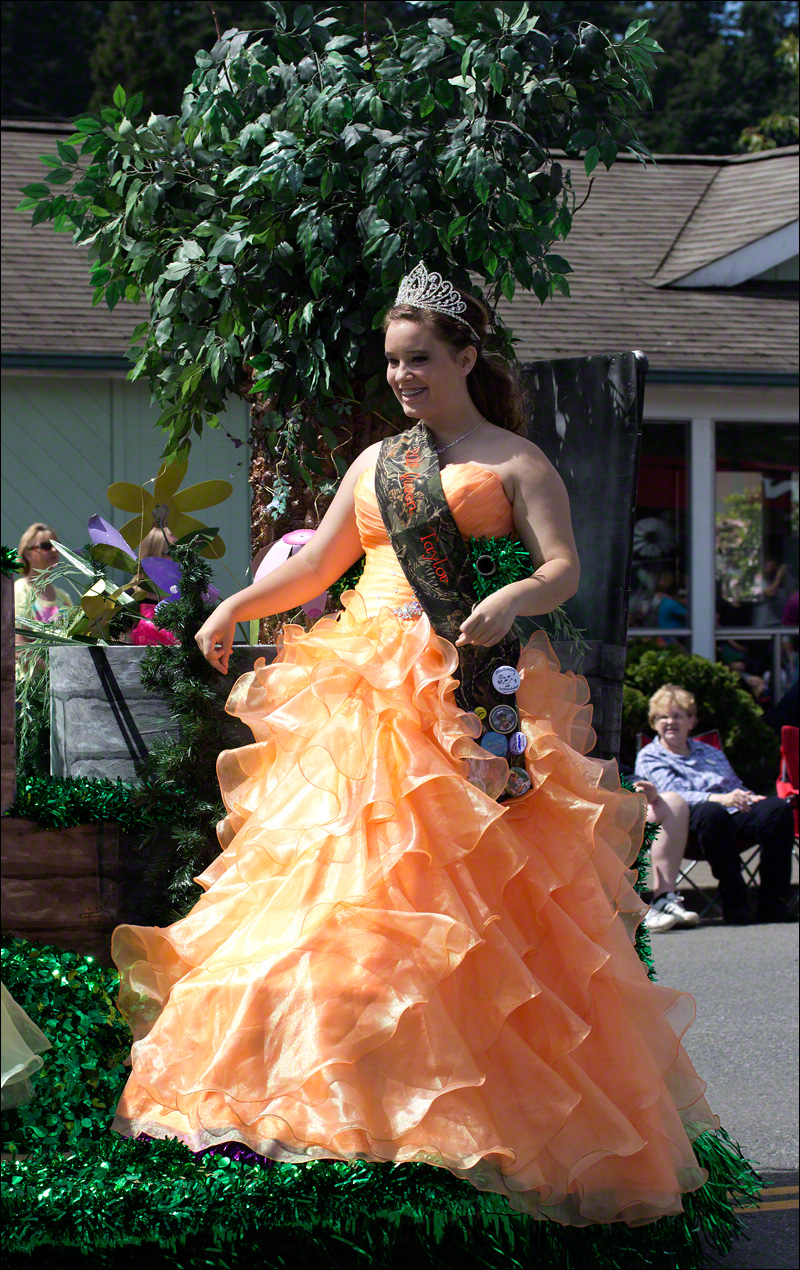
{"type": "Point", "coordinates": [425, 290]}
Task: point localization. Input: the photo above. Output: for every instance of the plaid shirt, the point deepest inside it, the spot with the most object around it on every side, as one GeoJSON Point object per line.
{"type": "Point", "coordinates": [703, 771]}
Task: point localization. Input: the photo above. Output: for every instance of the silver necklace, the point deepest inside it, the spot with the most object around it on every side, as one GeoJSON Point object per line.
{"type": "Point", "coordinates": [440, 449]}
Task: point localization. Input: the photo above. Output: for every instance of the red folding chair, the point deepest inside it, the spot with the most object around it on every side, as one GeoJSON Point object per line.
{"type": "Point", "coordinates": [788, 783]}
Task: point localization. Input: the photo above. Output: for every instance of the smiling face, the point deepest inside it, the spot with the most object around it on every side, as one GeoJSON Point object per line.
{"type": "Point", "coordinates": [426, 375]}
{"type": "Point", "coordinates": [673, 725]}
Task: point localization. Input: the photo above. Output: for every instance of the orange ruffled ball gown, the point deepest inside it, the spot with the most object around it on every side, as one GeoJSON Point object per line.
{"type": "Point", "coordinates": [389, 965]}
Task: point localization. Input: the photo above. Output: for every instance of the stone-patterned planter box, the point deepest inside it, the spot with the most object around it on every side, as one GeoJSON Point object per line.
{"type": "Point", "coordinates": [102, 722]}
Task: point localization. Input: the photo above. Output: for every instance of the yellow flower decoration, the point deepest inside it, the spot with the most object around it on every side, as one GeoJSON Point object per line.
{"type": "Point", "coordinates": [167, 506]}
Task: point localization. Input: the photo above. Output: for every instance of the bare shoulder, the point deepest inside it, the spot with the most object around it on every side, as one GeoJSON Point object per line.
{"type": "Point", "coordinates": [521, 463]}
{"type": "Point", "coordinates": [365, 460]}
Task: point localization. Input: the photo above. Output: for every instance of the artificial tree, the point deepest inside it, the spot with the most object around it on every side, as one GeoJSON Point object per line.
{"type": "Point", "coordinates": [312, 163]}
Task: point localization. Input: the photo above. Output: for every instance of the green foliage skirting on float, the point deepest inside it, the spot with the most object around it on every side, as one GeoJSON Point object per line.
{"type": "Point", "coordinates": [117, 1194]}
{"type": "Point", "coordinates": [57, 802]}
{"type": "Point", "coordinates": [71, 998]}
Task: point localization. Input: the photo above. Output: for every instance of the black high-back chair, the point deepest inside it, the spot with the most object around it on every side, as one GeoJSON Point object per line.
{"type": "Point", "coordinates": [586, 414]}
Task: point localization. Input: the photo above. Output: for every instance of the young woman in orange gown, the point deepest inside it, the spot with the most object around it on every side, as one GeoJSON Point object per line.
{"type": "Point", "coordinates": [388, 964]}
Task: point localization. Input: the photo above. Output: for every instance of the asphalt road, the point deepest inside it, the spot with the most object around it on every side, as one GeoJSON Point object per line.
{"type": "Point", "coordinates": [744, 1043]}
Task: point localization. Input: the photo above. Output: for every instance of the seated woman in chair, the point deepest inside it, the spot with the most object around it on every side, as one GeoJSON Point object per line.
{"type": "Point", "coordinates": [671, 813]}
{"type": "Point", "coordinates": [724, 816]}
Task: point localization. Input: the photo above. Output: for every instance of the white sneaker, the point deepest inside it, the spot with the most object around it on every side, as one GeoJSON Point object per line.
{"type": "Point", "coordinates": [672, 904]}
{"type": "Point", "coordinates": [656, 921]}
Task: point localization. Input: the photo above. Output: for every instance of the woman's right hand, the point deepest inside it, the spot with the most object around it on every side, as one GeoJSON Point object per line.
{"type": "Point", "coordinates": [215, 637]}
{"type": "Point", "coordinates": [741, 799]}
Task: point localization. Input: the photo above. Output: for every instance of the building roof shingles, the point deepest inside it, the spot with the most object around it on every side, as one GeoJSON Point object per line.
{"type": "Point", "coordinates": [641, 227]}
{"type": "Point", "coordinates": [617, 248]}
{"type": "Point", "coordinates": [47, 293]}
{"type": "Point", "coordinates": [742, 203]}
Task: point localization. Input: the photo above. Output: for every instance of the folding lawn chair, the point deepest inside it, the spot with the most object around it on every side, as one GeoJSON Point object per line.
{"type": "Point", "coordinates": [693, 853]}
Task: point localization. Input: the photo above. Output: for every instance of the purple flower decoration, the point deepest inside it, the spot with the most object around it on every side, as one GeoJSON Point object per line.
{"type": "Point", "coordinates": [101, 532]}
{"type": "Point", "coordinates": [165, 573]}
{"type": "Point", "coordinates": [167, 576]}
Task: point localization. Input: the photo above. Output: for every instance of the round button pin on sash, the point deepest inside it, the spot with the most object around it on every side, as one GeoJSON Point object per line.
{"type": "Point", "coordinates": [517, 743]}
{"type": "Point", "coordinates": [481, 713]}
{"type": "Point", "coordinates": [495, 743]}
{"type": "Point", "coordinates": [503, 719]}
{"type": "Point", "coordinates": [506, 680]}
{"type": "Point", "coordinates": [518, 783]}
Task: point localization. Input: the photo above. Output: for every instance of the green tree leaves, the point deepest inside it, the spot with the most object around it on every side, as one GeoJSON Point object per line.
{"type": "Point", "coordinates": [269, 224]}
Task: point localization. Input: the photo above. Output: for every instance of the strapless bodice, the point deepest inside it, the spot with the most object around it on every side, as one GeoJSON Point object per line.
{"type": "Point", "coordinates": [479, 505]}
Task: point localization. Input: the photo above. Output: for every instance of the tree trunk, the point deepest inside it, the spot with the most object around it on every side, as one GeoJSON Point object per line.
{"type": "Point", "coordinates": [305, 508]}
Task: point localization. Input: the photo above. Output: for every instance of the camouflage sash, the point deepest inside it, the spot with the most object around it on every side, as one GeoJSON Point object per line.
{"type": "Point", "coordinates": [436, 560]}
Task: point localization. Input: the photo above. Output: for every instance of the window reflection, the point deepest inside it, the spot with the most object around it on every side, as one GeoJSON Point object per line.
{"type": "Point", "coordinates": [756, 524]}
{"type": "Point", "coordinates": [659, 584]}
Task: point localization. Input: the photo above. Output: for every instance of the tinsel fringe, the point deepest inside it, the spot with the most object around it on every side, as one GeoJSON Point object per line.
{"type": "Point", "coordinates": [119, 1194]}
{"type": "Point", "coordinates": [62, 802]}
{"type": "Point", "coordinates": [10, 563]}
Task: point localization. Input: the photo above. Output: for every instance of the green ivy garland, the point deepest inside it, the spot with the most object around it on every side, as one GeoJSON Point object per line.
{"type": "Point", "coordinates": [346, 582]}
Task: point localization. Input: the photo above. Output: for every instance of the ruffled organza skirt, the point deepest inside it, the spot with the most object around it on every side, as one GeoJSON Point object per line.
{"type": "Point", "coordinates": [22, 1043]}
{"type": "Point", "coordinates": [389, 965]}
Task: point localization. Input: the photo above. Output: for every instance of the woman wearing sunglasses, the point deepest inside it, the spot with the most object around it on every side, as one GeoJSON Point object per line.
{"type": "Point", "coordinates": [38, 553]}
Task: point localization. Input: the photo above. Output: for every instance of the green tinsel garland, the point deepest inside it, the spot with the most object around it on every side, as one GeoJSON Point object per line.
{"type": "Point", "coordinates": [71, 998]}
{"type": "Point", "coordinates": [117, 1194]}
{"type": "Point", "coordinates": [642, 867]}
{"type": "Point", "coordinates": [10, 562]}
{"type": "Point", "coordinates": [512, 563]}
{"type": "Point", "coordinates": [61, 802]}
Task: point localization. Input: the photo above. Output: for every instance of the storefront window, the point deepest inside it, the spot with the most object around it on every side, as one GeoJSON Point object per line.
{"type": "Point", "coordinates": [756, 555]}
{"type": "Point", "coordinates": [756, 524]}
{"type": "Point", "coordinates": [659, 583]}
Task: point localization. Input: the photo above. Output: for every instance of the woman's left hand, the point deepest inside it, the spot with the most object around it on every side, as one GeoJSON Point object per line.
{"type": "Point", "coordinates": [488, 622]}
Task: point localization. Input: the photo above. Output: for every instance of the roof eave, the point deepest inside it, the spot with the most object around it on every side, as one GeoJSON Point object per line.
{"type": "Point", "coordinates": [755, 257]}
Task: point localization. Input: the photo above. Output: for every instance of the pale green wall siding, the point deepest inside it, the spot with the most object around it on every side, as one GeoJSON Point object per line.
{"type": "Point", "coordinates": [65, 439]}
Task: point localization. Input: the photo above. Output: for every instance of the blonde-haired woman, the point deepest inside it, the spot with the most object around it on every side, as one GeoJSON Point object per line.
{"type": "Point", "coordinates": [724, 815]}
{"type": "Point", "coordinates": [38, 553]}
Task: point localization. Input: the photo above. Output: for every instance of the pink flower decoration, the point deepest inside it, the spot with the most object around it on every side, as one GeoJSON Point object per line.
{"type": "Point", "coordinates": [146, 631]}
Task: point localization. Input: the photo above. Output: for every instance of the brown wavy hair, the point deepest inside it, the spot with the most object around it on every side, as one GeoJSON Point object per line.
{"type": "Point", "coordinates": [493, 384]}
